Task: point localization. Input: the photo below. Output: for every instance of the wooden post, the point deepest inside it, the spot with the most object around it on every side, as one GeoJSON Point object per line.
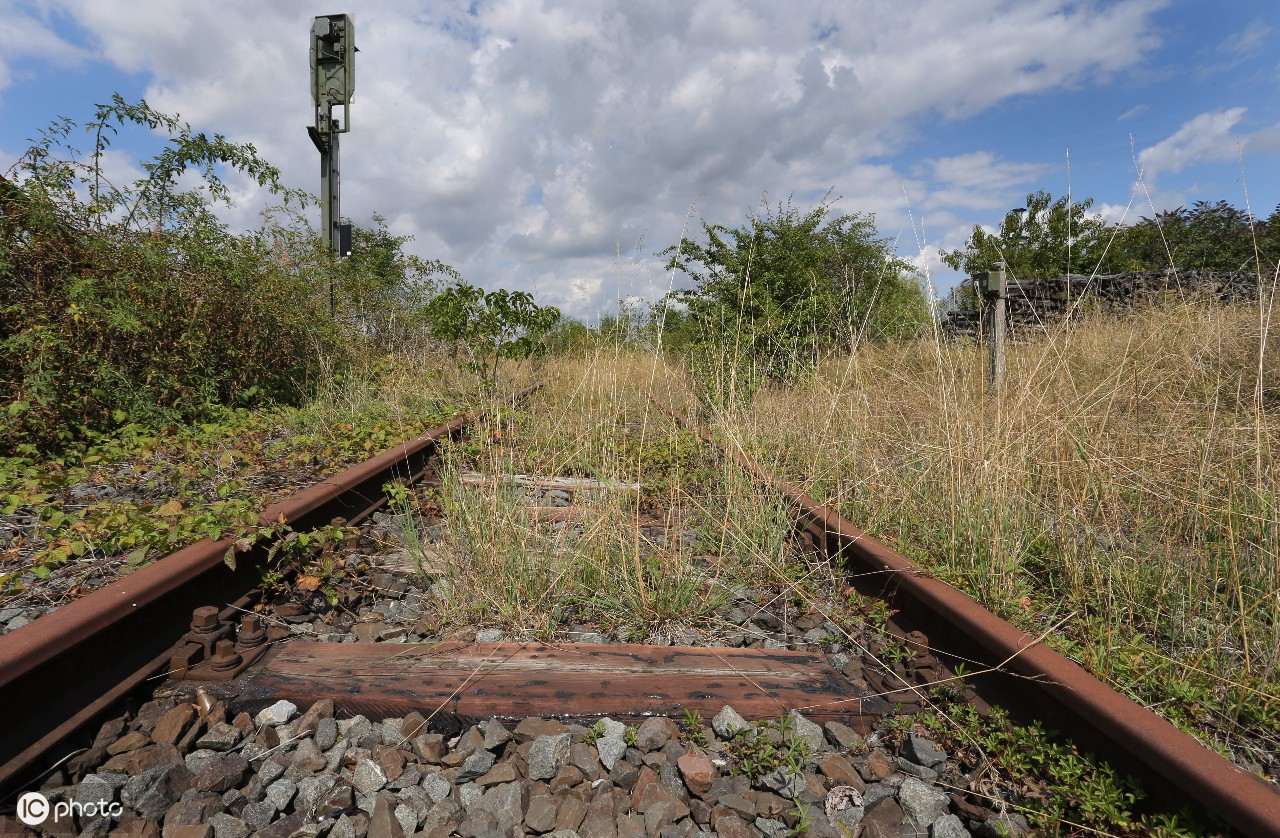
{"type": "Point", "coordinates": [995, 294]}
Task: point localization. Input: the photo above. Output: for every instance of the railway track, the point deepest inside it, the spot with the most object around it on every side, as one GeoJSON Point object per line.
{"type": "Point", "coordinates": [201, 654]}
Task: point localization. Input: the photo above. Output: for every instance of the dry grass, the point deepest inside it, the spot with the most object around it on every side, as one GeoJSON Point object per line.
{"type": "Point", "coordinates": [1122, 487]}
{"type": "Point", "coordinates": [1126, 475]}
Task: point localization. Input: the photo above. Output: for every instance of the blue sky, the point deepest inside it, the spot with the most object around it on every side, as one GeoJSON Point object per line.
{"type": "Point", "coordinates": [558, 146]}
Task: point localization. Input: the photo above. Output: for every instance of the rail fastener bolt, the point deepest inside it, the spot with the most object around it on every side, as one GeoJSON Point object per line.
{"type": "Point", "coordinates": [204, 620]}
{"type": "Point", "coordinates": [252, 632]}
{"type": "Point", "coordinates": [224, 656]}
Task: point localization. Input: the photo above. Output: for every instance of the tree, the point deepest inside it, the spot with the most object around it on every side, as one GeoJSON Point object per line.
{"type": "Point", "coordinates": [1053, 237]}
{"type": "Point", "coordinates": [777, 290]}
{"type": "Point", "coordinates": [488, 327]}
{"type": "Point", "coordinates": [1211, 236]}
{"type": "Point", "coordinates": [382, 292]}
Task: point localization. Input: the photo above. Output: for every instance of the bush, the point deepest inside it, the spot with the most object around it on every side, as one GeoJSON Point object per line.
{"type": "Point", "coordinates": [771, 295]}
{"type": "Point", "coordinates": [135, 303]}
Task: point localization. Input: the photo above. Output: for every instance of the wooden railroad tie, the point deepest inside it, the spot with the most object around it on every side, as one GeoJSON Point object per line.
{"type": "Point", "coordinates": [566, 680]}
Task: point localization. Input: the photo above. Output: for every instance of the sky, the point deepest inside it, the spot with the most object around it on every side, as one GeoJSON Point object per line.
{"type": "Point", "coordinates": [559, 147]}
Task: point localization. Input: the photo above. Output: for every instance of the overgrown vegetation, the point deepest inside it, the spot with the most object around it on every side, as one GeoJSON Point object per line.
{"type": "Point", "coordinates": [1122, 488]}
{"type": "Point", "coordinates": [1055, 236]}
{"type": "Point", "coordinates": [771, 295]}
{"type": "Point", "coordinates": [135, 304]}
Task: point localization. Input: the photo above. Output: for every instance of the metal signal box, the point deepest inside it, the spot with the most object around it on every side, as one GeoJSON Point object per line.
{"type": "Point", "coordinates": [333, 65]}
{"type": "Point", "coordinates": [991, 283]}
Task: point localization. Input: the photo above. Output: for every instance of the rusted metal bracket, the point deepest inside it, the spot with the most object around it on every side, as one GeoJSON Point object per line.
{"type": "Point", "coordinates": [216, 650]}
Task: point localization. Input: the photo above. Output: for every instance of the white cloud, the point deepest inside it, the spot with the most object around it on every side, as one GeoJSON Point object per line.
{"type": "Point", "coordinates": [1206, 137]}
{"type": "Point", "coordinates": [29, 35]}
{"type": "Point", "coordinates": [979, 180]}
{"type": "Point", "coordinates": [619, 114]}
{"type": "Point", "coordinates": [1136, 110]}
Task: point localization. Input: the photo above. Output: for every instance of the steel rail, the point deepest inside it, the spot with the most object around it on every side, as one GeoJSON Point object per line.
{"type": "Point", "coordinates": [1176, 768]}
{"type": "Point", "coordinates": [61, 671]}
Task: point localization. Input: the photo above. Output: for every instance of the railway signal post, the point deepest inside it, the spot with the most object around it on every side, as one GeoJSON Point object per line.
{"type": "Point", "coordinates": [991, 284]}
{"type": "Point", "coordinates": [333, 82]}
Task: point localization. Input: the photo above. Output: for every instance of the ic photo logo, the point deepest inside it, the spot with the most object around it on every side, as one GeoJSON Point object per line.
{"type": "Point", "coordinates": [35, 809]}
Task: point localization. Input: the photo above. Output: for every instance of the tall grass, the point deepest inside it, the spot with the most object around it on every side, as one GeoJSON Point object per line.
{"type": "Point", "coordinates": [1125, 476]}
{"type": "Point", "coordinates": [649, 564]}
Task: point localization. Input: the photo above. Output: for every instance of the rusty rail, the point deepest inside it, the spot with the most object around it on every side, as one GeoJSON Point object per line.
{"type": "Point", "coordinates": [60, 672]}
{"type": "Point", "coordinates": [1175, 767]}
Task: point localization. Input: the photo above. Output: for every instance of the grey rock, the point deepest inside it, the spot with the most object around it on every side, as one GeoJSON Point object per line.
{"type": "Point", "coordinates": [843, 736]}
{"type": "Point", "coordinates": [506, 803]}
{"type": "Point", "coordinates": [152, 792]}
{"type": "Point", "coordinates": [479, 762]}
{"type": "Point", "coordinates": [849, 817]}
{"type": "Point", "coordinates": [547, 756]}
{"type": "Point", "coordinates": [771, 828]}
{"type": "Point", "coordinates": [610, 750]}
{"type": "Point", "coordinates": [809, 730]}
{"type": "Point", "coordinates": [876, 792]}
{"type": "Point", "coordinates": [311, 790]}
{"type": "Point", "coordinates": [770, 643]}
{"type": "Point", "coordinates": [468, 794]}
{"type": "Point", "coordinates": [906, 766]}
{"type": "Point", "coordinates": [407, 817]}
{"type": "Point", "coordinates": [409, 777]}
{"type": "Point", "coordinates": [948, 826]}
{"type": "Point", "coordinates": [787, 785]}
{"type": "Point", "coordinates": [613, 729]}
{"type": "Point", "coordinates": [228, 826]}
{"type": "Point", "coordinates": [270, 771]}
{"type": "Point", "coordinates": [727, 723]}
{"type": "Point", "coordinates": [921, 751]}
{"type": "Point", "coordinates": [326, 733]}
{"type": "Point", "coordinates": [923, 803]}
{"type": "Point", "coordinates": [221, 737]}
{"type": "Point", "coordinates": [489, 636]}
{"type": "Point", "coordinates": [437, 787]}
{"type": "Point", "coordinates": [816, 636]}
{"type": "Point", "coordinates": [353, 728]}
{"type": "Point", "coordinates": [368, 776]}
{"type": "Point", "coordinates": [392, 732]}
{"type": "Point", "coordinates": [344, 827]}
{"type": "Point", "coordinates": [442, 818]}
{"type": "Point", "coordinates": [96, 789]}
{"type": "Point", "coordinates": [197, 759]}
{"type": "Point", "coordinates": [495, 735]}
{"type": "Point", "coordinates": [281, 793]}
{"type": "Point", "coordinates": [587, 637]}
{"type": "Point", "coordinates": [277, 714]}
{"type": "Point", "coordinates": [258, 815]}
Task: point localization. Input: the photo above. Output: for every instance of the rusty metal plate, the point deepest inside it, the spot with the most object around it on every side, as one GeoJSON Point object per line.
{"type": "Point", "coordinates": [568, 680]}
